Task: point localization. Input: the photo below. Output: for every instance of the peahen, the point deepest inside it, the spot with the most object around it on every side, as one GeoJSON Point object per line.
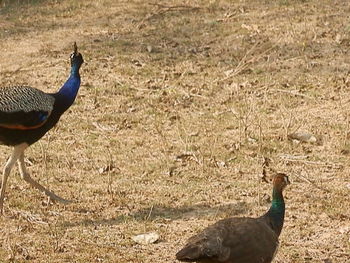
{"type": "Point", "coordinates": [26, 114]}
{"type": "Point", "coordinates": [240, 239]}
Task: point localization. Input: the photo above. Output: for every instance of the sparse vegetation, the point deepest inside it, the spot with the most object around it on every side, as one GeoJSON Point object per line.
{"type": "Point", "coordinates": [179, 105]}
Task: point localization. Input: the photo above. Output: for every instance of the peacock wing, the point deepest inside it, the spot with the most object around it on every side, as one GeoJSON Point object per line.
{"type": "Point", "coordinates": [23, 107]}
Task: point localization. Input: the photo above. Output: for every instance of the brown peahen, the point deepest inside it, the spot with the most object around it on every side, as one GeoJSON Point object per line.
{"type": "Point", "coordinates": [240, 239]}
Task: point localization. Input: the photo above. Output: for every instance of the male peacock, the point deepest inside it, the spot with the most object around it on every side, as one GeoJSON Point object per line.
{"type": "Point", "coordinates": [26, 114]}
{"type": "Point", "coordinates": [239, 239]}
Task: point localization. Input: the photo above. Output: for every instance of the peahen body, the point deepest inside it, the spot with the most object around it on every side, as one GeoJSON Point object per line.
{"type": "Point", "coordinates": [240, 240]}
{"type": "Point", "coordinates": [26, 114]}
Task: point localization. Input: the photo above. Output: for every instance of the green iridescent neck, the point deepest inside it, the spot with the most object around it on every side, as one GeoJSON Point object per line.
{"type": "Point", "coordinates": [276, 211]}
{"type": "Point", "coordinates": [277, 200]}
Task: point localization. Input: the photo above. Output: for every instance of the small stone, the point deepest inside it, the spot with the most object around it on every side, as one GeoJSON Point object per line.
{"type": "Point", "coordinates": [147, 238]}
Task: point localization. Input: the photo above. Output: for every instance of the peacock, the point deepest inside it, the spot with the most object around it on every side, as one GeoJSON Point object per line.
{"type": "Point", "coordinates": [27, 114]}
{"type": "Point", "coordinates": [241, 239]}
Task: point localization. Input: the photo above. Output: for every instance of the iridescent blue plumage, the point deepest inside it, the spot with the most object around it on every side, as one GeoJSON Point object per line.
{"type": "Point", "coordinates": [69, 90]}
{"type": "Point", "coordinates": [26, 114]}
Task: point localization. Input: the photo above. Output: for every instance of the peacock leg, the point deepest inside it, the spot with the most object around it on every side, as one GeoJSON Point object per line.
{"type": "Point", "coordinates": [25, 175]}
{"type": "Point", "coordinates": [17, 151]}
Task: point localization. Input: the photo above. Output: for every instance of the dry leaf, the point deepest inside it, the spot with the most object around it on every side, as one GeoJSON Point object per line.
{"type": "Point", "coordinates": [106, 169]}
{"type": "Point", "coordinates": [149, 48]}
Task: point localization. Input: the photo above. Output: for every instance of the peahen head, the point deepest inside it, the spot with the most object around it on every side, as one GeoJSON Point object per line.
{"type": "Point", "coordinates": [76, 59]}
{"type": "Point", "coordinates": [280, 181]}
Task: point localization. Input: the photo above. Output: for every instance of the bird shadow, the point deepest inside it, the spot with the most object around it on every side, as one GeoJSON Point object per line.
{"type": "Point", "coordinates": [155, 213]}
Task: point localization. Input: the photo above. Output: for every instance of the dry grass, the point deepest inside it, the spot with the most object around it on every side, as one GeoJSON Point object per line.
{"type": "Point", "coordinates": [180, 103]}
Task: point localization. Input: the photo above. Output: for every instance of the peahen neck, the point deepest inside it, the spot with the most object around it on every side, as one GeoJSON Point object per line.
{"type": "Point", "coordinates": [276, 211]}
{"type": "Point", "coordinates": [69, 90]}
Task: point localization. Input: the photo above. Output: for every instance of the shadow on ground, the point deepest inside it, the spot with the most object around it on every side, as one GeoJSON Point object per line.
{"type": "Point", "coordinates": [161, 212]}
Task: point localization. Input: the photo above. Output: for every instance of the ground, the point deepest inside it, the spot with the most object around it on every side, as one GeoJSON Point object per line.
{"type": "Point", "coordinates": [180, 104]}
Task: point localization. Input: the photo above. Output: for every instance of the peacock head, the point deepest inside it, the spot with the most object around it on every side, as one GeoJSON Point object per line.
{"type": "Point", "coordinates": [76, 59]}
{"type": "Point", "coordinates": [280, 181]}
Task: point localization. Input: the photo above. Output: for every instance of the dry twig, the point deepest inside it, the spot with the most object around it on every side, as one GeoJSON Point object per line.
{"type": "Point", "coordinates": [293, 93]}
{"type": "Point", "coordinates": [316, 163]}
{"type": "Point", "coordinates": [245, 62]}
{"type": "Point", "coordinates": [312, 183]}
{"type": "Point", "coordinates": [162, 9]}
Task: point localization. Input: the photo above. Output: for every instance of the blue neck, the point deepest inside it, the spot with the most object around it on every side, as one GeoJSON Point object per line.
{"type": "Point", "coordinates": [69, 90]}
{"type": "Point", "coordinates": [276, 211]}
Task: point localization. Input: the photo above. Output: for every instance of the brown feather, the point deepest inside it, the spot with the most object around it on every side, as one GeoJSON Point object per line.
{"type": "Point", "coordinates": [236, 240]}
